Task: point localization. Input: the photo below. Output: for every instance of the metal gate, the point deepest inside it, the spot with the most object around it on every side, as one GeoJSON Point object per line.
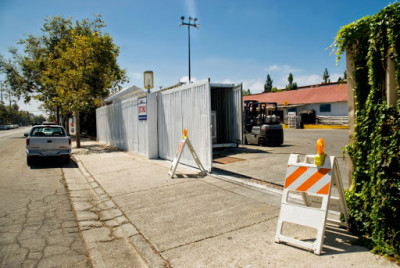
{"type": "Point", "coordinates": [237, 111]}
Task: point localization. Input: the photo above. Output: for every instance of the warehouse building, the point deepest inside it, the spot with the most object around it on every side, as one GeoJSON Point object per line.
{"type": "Point", "coordinates": [329, 101]}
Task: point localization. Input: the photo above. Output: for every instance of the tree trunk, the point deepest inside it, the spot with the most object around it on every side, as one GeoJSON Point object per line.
{"type": "Point", "coordinates": [77, 130]}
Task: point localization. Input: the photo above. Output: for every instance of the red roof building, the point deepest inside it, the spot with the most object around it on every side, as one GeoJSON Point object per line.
{"type": "Point", "coordinates": [325, 99]}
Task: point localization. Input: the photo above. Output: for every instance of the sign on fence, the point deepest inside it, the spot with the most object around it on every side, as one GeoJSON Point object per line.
{"type": "Point", "coordinates": [142, 106]}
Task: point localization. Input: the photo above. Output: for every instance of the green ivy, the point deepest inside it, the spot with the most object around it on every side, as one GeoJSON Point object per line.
{"type": "Point", "coordinates": [374, 198]}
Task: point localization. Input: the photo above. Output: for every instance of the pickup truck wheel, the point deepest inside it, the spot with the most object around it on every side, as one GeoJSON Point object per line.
{"type": "Point", "coordinates": [29, 161]}
{"type": "Point", "coordinates": [245, 141]}
{"type": "Point", "coordinates": [261, 142]}
{"type": "Point", "coordinates": [67, 159]}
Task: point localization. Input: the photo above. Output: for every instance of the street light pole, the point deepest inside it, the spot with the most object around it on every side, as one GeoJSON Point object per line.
{"type": "Point", "coordinates": [1, 86]}
{"type": "Point", "coordinates": [189, 24]}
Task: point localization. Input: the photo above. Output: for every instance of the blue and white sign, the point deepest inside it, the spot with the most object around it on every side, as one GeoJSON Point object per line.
{"type": "Point", "coordinates": [142, 108]}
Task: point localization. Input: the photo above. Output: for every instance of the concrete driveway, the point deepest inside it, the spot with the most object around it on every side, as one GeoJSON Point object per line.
{"type": "Point", "coordinates": [269, 164]}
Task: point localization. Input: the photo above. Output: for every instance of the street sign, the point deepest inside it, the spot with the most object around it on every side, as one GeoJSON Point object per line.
{"type": "Point", "coordinates": [148, 79]}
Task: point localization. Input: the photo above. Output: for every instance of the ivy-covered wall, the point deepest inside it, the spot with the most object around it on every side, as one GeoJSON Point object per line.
{"type": "Point", "coordinates": [374, 198]}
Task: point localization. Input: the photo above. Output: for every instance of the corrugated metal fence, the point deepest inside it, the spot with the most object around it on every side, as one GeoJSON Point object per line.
{"type": "Point", "coordinates": [118, 125]}
{"type": "Point", "coordinates": [159, 136]}
{"type": "Point", "coordinates": [168, 113]}
{"type": "Point", "coordinates": [186, 107]}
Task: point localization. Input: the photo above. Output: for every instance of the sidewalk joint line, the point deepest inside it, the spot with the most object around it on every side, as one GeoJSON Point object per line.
{"type": "Point", "coordinates": [83, 170]}
{"type": "Point", "coordinates": [220, 234]}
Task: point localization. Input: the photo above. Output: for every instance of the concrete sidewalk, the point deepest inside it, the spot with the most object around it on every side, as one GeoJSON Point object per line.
{"type": "Point", "coordinates": [132, 214]}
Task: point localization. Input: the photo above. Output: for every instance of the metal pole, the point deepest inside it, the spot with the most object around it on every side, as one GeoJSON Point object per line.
{"type": "Point", "coordinates": [1, 86]}
{"type": "Point", "coordinates": [189, 24]}
{"type": "Point", "coordinates": [189, 53]}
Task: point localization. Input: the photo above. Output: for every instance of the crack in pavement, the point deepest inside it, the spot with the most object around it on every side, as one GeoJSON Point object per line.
{"type": "Point", "coordinates": [102, 223]}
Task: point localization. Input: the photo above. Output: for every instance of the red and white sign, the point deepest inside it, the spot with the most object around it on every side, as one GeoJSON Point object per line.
{"type": "Point", "coordinates": [71, 122]}
{"type": "Point", "coordinates": [142, 108]}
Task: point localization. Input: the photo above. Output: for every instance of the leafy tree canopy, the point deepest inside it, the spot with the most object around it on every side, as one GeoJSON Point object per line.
{"type": "Point", "coordinates": [67, 67]}
{"type": "Point", "coordinates": [66, 50]}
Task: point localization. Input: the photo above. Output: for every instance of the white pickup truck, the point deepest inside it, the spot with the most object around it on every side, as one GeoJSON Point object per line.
{"type": "Point", "coordinates": [47, 141]}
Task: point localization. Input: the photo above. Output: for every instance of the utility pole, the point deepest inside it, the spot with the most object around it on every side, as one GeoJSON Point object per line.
{"type": "Point", "coordinates": [189, 24]}
{"type": "Point", "coordinates": [1, 86]}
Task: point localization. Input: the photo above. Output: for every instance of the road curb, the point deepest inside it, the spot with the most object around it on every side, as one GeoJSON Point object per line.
{"type": "Point", "coordinates": [110, 238]}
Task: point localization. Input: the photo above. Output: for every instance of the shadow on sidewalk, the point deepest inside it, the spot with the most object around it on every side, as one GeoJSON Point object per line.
{"type": "Point", "coordinates": [96, 149]}
{"type": "Point", "coordinates": [189, 176]}
{"type": "Point", "coordinates": [337, 241]}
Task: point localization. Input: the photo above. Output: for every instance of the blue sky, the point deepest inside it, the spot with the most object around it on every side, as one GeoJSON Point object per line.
{"type": "Point", "coordinates": [237, 41]}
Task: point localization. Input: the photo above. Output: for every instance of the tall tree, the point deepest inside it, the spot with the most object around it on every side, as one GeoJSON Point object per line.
{"type": "Point", "coordinates": [67, 67]}
{"type": "Point", "coordinates": [325, 77]}
{"type": "Point", "coordinates": [340, 79]}
{"type": "Point", "coordinates": [246, 92]}
{"type": "Point", "coordinates": [268, 84]}
{"type": "Point", "coordinates": [292, 85]}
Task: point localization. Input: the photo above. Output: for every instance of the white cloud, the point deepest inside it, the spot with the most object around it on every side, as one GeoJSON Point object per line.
{"type": "Point", "coordinates": [255, 86]}
{"type": "Point", "coordinates": [135, 78]}
{"type": "Point", "coordinates": [228, 81]}
{"type": "Point", "coordinates": [335, 76]}
{"type": "Point", "coordinates": [301, 80]}
{"type": "Point", "coordinates": [273, 68]}
{"type": "Point", "coordinates": [306, 80]}
{"type": "Point", "coordinates": [33, 106]}
{"type": "Point", "coordinates": [191, 8]}
{"type": "Point", "coordinates": [185, 79]}
{"type": "Point", "coordinates": [282, 69]}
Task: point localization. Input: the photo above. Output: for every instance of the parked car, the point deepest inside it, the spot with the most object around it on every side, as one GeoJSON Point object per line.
{"type": "Point", "coordinates": [47, 141]}
{"type": "Point", "coordinates": [48, 123]}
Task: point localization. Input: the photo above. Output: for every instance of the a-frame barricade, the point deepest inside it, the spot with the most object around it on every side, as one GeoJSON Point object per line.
{"type": "Point", "coordinates": [185, 140]}
{"type": "Point", "coordinates": [313, 185]}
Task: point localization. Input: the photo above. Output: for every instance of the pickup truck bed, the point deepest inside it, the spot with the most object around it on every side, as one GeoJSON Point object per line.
{"type": "Point", "coordinates": [48, 141]}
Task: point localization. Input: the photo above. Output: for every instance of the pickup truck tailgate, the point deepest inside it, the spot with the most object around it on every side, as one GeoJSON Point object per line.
{"type": "Point", "coordinates": [49, 143]}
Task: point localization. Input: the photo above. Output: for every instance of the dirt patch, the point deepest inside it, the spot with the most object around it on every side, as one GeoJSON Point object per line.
{"type": "Point", "coordinates": [226, 159]}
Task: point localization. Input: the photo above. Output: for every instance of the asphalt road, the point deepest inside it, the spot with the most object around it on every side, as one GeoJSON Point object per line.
{"type": "Point", "coordinates": [37, 225]}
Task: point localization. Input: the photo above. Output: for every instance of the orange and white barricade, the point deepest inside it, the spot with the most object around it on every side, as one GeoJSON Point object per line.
{"type": "Point", "coordinates": [185, 140]}
{"type": "Point", "coordinates": [313, 185]}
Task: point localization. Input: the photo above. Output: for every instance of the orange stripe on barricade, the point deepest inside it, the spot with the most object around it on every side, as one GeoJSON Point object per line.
{"type": "Point", "coordinates": [313, 179]}
{"type": "Point", "coordinates": [325, 189]}
{"type": "Point", "coordinates": [294, 176]}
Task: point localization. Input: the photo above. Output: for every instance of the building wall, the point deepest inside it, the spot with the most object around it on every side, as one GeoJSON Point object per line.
{"type": "Point", "coordinates": [337, 109]}
{"type": "Point", "coordinates": [187, 107]}
{"type": "Point", "coordinates": [119, 125]}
